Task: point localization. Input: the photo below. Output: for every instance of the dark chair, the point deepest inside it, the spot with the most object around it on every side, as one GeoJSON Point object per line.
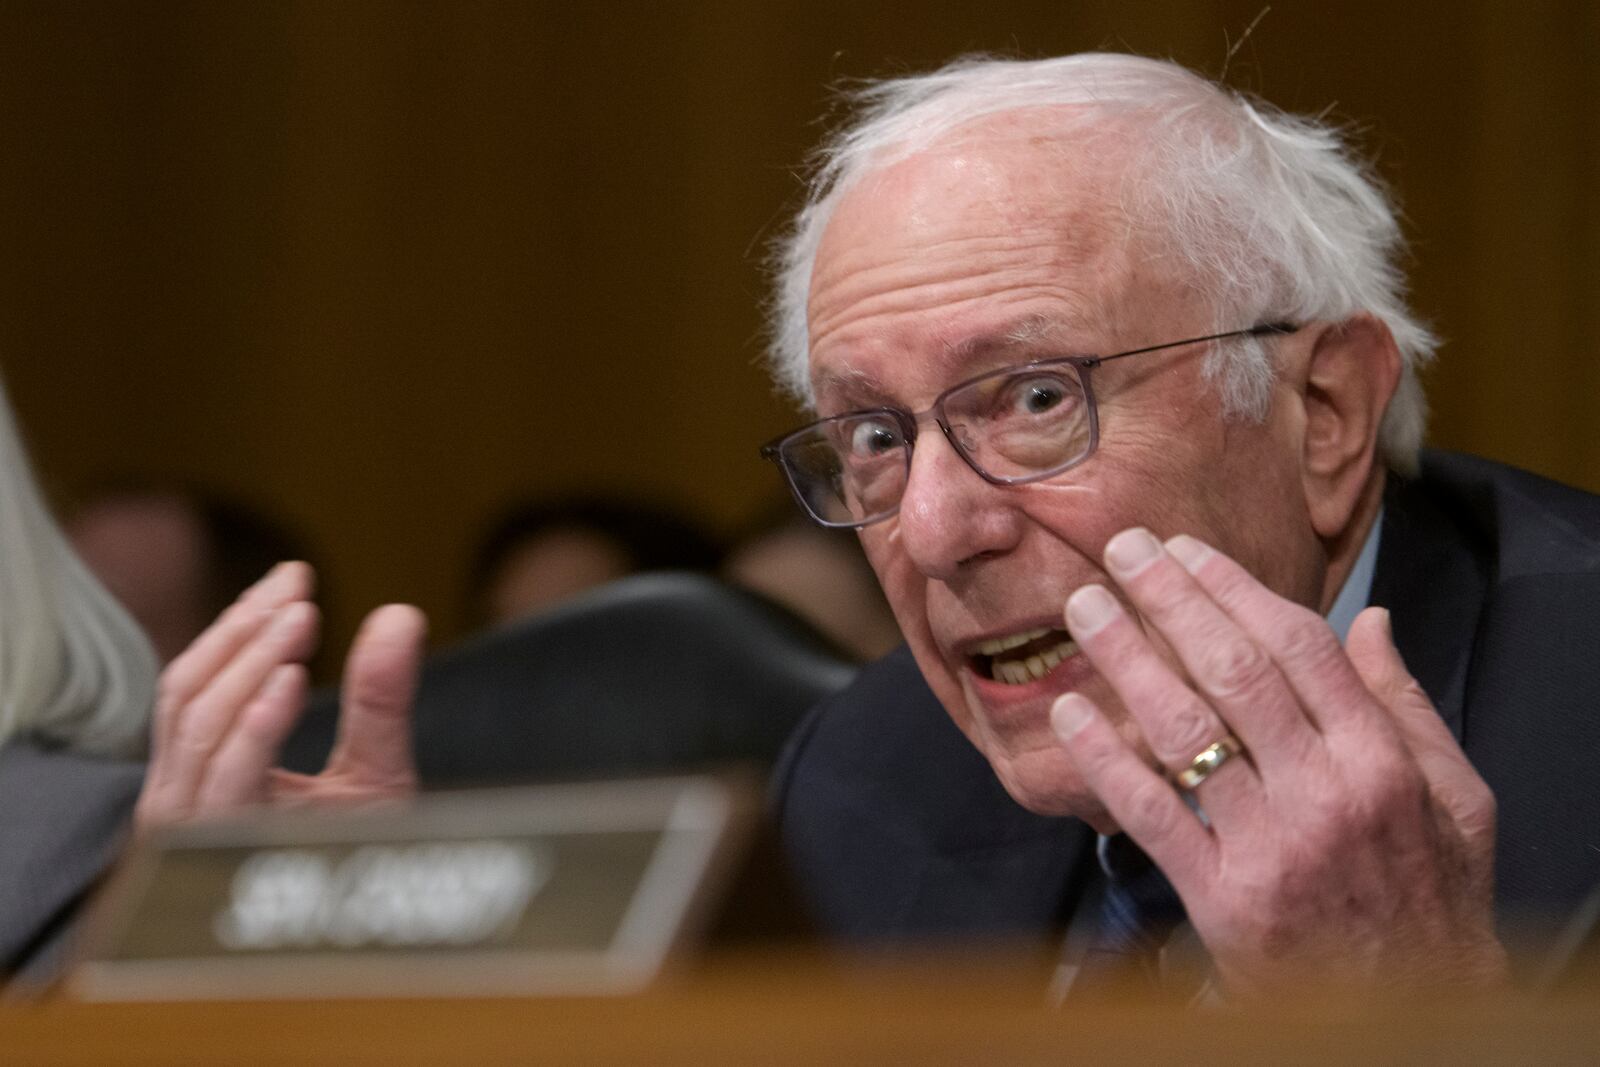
{"type": "Point", "coordinates": [653, 673]}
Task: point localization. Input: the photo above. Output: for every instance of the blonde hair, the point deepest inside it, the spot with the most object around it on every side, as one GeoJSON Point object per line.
{"type": "Point", "coordinates": [74, 667]}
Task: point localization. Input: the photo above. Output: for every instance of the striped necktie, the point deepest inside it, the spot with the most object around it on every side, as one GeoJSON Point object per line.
{"type": "Point", "coordinates": [1138, 912]}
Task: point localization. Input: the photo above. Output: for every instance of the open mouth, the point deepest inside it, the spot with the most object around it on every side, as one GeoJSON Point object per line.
{"type": "Point", "coordinates": [1023, 657]}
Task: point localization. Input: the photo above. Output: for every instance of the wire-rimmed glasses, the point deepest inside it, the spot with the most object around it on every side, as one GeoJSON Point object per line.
{"type": "Point", "coordinates": [1012, 426]}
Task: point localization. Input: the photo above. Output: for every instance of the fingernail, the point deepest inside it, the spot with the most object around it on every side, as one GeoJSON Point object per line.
{"type": "Point", "coordinates": [263, 581]}
{"type": "Point", "coordinates": [1189, 552]}
{"type": "Point", "coordinates": [1131, 551]}
{"type": "Point", "coordinates": [277, 580]}
{"type": "Point", "coordinates": [1069, 715]}
{"type": "Point", "coordinates": [1089, 609]}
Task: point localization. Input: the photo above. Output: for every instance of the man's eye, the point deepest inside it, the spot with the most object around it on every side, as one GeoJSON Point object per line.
{"type": "Point", "coordinates": [1035, 395]}
{"type": "Point", "coordinates": [868, 439]}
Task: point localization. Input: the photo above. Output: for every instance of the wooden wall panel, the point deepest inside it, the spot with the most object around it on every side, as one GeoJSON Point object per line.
{"type": "Point", "coordinates": [381, 266]}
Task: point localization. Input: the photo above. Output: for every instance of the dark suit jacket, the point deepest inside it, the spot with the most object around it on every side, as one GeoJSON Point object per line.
{"type": "Point", "coordinates": [896, 827]}
{"type": "Point", "coordinates": [63, 820]}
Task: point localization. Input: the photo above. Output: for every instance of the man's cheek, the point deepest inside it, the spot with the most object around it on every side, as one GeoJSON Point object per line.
{"type": "Point", "coordinates": [903, 587]}
{"type": "Point", "coordinates": [880, 543]}
{"type": "Point", "coordinates": [1130, 482]}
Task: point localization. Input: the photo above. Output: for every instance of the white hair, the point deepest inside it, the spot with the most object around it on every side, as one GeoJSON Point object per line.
{"type": "Point", "coordinates": [74, 668]}
{"type": "Point", "coordinates": [1274, 216]}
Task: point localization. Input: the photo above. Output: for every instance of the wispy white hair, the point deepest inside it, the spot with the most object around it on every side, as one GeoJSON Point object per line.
{"type": "Point", "coordinates": [1274, 216]}
{"type": "Point", "coordinates": [74, 668]}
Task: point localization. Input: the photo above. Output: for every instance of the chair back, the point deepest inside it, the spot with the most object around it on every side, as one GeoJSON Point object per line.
{"type": "Point", "coordinates": [655, 672]}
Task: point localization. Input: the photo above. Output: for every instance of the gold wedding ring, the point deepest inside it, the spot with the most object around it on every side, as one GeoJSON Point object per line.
{"type": "Point", "coordinates": [1206, 763]}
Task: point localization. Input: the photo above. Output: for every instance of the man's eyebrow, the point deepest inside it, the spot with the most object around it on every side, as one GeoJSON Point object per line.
{"type": "Point", "coordinates": [857, 388]}
{"type": "Point", "coordinates": [1030, 330]}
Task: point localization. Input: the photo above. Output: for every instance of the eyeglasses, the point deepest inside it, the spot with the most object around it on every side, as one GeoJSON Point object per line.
{"type": "Point", "coordinates": [1012, 426]}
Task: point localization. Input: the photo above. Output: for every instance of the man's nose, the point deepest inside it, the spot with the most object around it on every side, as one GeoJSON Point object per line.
{"type": "Point", "coordinates": [949, 515]}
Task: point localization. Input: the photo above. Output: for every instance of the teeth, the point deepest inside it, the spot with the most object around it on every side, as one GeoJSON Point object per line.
{"type": "Point", "coordinates": [1019, 672]}
{"type": "Point", "coordinates": [1003, 644]}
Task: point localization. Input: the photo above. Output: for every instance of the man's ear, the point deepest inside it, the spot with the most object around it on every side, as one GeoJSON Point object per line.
{"type": "Point", "coordinates": [1348, 378]}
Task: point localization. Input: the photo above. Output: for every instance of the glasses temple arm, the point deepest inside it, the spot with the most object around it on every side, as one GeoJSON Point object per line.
{"type": "Point", "coordinates": [1254, 331]}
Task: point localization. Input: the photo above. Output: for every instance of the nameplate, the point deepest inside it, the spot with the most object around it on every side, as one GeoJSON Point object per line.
{"type": "Point", "coordinates": [562, 889]}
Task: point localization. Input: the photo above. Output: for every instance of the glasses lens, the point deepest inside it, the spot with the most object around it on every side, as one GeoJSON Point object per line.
{"type": "Point", "coordinates": [851, 469]}
{"type": "Point", "coordinates": [1023, 421]}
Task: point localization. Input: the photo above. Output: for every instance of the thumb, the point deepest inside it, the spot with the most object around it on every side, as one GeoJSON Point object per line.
{"type": "Point", "coordinates": [1370, 646]}
{"type": "Point", "coordinates": [380, 682]}
{"type": "Point", "coordinates": [1452, 780]}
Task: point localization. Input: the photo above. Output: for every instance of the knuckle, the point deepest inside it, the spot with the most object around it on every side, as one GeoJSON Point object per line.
{"type": "Point", "coordinates": [1304, 637]}
{"type": "Point", "coordinates": [1368, 801]}
{"type": "Point", "coordinates": [1151, 808]}
{"type": "Point", "coordinates": [1188, 732]}
{"type": "Point", "coordinates": [1388, 794]}
{"type": "Point", "coordinates": [192, 747]}
{"type": "Point", "coordinates": [1232, 667]}
{"type": "Point", "coordinates": [1094, 753]}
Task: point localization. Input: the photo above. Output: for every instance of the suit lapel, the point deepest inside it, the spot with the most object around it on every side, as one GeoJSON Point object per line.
{"type": "Point", "coordinates": [993, 861]}
{"type": "Point", "coordinates": [1434, 582]}
{"type": "Point", "coordinates": [1034, 878]}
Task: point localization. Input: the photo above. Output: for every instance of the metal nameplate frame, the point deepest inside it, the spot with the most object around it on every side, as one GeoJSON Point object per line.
{"type": "Point", "coordinates": [581, 888]}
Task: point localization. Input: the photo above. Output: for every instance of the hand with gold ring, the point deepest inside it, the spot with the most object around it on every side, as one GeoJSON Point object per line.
{"type": "Point", "coordinates": [1345, 836]}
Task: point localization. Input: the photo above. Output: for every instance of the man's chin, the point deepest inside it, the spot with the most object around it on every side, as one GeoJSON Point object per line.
{"type": "Point", "coordinates": [1017, 741]}
{"type": "Point", "coordinates": [1046, 783]}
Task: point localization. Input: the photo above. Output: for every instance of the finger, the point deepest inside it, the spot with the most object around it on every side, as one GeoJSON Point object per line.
{"type": "Point", "coordinates": [1451, 778]}
{"type": "Point", "coordinates": [291, 789]}
{"type": "Point", "coordinates": [199, 727]}
{"type": "Point", "coordinates": [1175, 722]}
{"type": "Point", "coordinates": [1230, 669]}
{"type": "Point", "coordinates": [237, 774]}
{"type": "Point", "coordinates": [1299, 642]}
{"type": "Point", "coordinates": [380, 681]}
{"type": "Point", "coordinates": [1143, 803]}
{"type": "Point", "coordinates": [195, 666]}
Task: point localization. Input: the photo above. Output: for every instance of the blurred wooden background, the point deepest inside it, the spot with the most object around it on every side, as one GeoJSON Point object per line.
{"type": "Point", "coordinates": [379, 267]}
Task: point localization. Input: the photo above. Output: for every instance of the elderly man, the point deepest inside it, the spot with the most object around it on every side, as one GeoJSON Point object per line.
{"type": "Point", "coordinates": [1117, 383]}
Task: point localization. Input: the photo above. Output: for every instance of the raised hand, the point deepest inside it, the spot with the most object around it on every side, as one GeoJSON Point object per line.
{"type": "Point", "coordinates": [1352, 841]}
{"type": "Point", "coordinates": [226, 704]}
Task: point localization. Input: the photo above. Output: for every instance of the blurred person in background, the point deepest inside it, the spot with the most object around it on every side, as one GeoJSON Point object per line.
{"type": "Point", "coordinates": [819, 574]}
{"type": "Point", "coordinates": [540, 553]}
{"type": "Point", "coordinates": [175, 556]}
{"type": "Point", "coordinates": [77, 681]}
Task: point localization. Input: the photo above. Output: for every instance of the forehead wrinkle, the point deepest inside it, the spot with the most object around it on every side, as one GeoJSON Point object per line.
{"type": "Point", "coordinates": [1034, 329]}
{"type": "Point", "coordinates": [900, 267]}
{"type": "Point", "coordinates": [882, 294]}
{"type": "Point", "coordinates": [954, 356]}
{"type": "Point", "coordinates": [857, 386]}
